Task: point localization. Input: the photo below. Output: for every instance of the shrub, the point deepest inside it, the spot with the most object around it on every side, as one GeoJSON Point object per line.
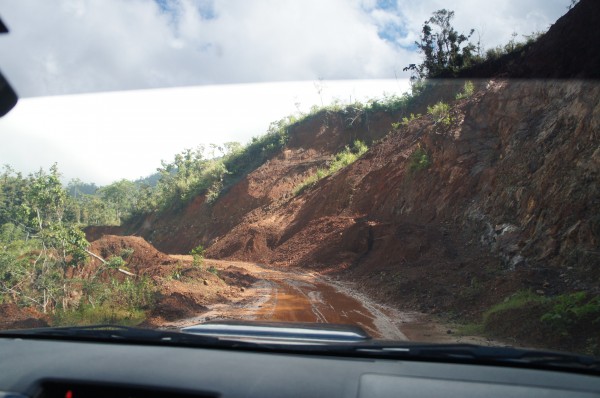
{"type": "Point", "coordinates": [419, 159]}
{"type": "Point", "coordinates": [115, 262]}
{"type": "Point", "coordinates": [113, 302]}
{"type": "Point", "coordinates": [520, 299]}
{"type": "Point", "coordinates": [569, 311]}
{"type": "Point", "coordinates": [468, 90]}
{"type": "Point", "coordinates": [440, 113]}
{"type": "Point", "coordinates": [197, 254]}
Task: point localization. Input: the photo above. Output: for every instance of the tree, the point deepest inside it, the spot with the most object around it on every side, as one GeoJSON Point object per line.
{"type": "Point", "coordinates": [120, 195]}
{"type": "Point", "coordinates": [12, 196]}
{"type": "Point", "coordinates": [38, 243]}
{"type": "Point", "coordinates": [445, 51]}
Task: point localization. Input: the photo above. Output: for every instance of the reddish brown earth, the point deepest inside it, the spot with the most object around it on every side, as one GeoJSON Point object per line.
{"type": "Point", "coordinates": [295, 295]}
{"type": "Point", "coordinates": [509, 200]}
{"type": "Point", "coordinates": [14, 317]}
{"type": "Point", "coordinates": [187, 295]}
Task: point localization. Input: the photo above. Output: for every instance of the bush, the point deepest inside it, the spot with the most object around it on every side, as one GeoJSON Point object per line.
{"type": "Point", "coordinates": [468, 90]}
{"type": "Point", "coordinates": [419, 159]}
{"type": "Point", "coordinates": [197, 254]}
{"type": "Point", "coordinates": [440, 113]}
{"type": "Point", "coordinates": [520, 299]}
{"type": "Point", "coordinates": [115, 262]}
{"type": "Point", "coordinates": [116, 302]}
{"type": "Point", "coordinates": [572, 311]}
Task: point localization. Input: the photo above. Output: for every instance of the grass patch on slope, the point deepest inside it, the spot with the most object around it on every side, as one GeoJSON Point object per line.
{"type": "Point", "coordinates": [342, 159]}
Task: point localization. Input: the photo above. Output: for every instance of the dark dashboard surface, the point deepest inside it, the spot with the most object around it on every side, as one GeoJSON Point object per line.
{"type": "Point", "coordinates": [33, 367]}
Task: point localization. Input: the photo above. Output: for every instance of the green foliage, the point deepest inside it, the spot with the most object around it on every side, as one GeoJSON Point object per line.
{"type": "Point", "coordinates": [240, 160]}
{"type": "Point", "coordinates": [213, 270]}
{"type": "Point", "coordinates": [126, 253]}
{"type": "Point", "coordinates": [444, 50]}
{"type": "Point", "coordinates": [76, 188]}
{"type": "Point", "coordinates": [115, 262]}
{"type": "Point", "coordinates": [419, 159]}
{"type": "Point", "coordinates": [191, 173]}
{"type": "Point", "coordinates": [468, 90]}
{"type": "Point", "coordinates": [87, 314]}
{"type": "Point", "coordinates": [341, 160]}
{"type": "Point", "coordinates": [407, 119]}
{"type": "Point", "coordinates": [513, 46]}
{"type": "Point", "coordinates": [14, 259]}
{"type": "Point", "coordinates": [520, 299]}
{"type": "Point", "coordinates": [470, 329]}
{"type": "Point", "coordinates": [117, 302]}
{"type": "Point", "coordinates": [120, 198]}
{"type": "Point", "coordinates": [440, 113]}
{"type": "Point", "coordinates": [197, 254]}
{"type": "Point", "coordinates": [39, 241]}
{"type": "Point", "coordinates": [570, 321]}
{"type": "Point", "coordinates": [571, 311]}
{"type": "Point", "coordinates": [177, 272]}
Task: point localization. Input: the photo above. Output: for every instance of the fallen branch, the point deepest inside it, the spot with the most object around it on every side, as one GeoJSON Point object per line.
{"type": "Point", "coordinates": [106, 262]}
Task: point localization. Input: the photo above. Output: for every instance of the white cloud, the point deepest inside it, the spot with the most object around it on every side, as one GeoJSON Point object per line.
{"type": "Point", "coordinates": [73, 46]}
{"type": "Point", "coordinates": [103, 137]}
{"type": "Point", "coordinates": [79, 46]}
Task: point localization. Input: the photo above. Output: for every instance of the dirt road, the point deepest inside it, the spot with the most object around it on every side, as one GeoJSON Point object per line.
{"type": "Point", "coordinates": [299, 296]}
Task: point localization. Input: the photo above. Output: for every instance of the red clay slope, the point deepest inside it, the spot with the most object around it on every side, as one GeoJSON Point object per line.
{"type": "Point", "coordinates": [509, 200]}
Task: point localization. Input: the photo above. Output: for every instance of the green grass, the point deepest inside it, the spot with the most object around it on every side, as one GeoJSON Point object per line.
{"type": "Point", "coordinates": [570, 311]}
{"type": "Point", "coordinates": [118, 302]}
{"type": "Point", "coordinates": [520, 299]}
{"type": "Point", "coordinates": [470, 329]}
{"type": "Point", "coordinates": [342, 159]}
{"type": "Point", "coordinates": [93, 315]}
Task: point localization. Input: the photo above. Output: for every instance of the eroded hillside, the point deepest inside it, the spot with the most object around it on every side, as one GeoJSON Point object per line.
{"type": "Point", "coordinates": [511, 182]}
{"type": "Point", "coordinates": [450, 213]}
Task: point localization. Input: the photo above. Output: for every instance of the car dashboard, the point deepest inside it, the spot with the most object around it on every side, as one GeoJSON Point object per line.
{"type": "Point", "coordinates": [31, 367]}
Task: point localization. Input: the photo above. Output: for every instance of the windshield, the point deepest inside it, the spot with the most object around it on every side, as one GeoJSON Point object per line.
{"type": "Point", "coordinates": [425, 171]}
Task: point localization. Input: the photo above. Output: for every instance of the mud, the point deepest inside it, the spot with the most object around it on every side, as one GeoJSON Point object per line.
{"type": "Point", "coordinates": [294, 295]}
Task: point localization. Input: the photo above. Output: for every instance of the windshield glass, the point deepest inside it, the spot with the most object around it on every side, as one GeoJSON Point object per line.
{"type": "Point", "coordinates": [425, 171]}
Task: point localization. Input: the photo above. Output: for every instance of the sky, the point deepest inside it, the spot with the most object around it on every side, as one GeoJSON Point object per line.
{"type": "Point", "coordinates": [110, 87]}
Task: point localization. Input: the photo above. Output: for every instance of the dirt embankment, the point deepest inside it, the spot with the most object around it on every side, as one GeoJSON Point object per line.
{"type": "Point", "coordinates": [506, 202]}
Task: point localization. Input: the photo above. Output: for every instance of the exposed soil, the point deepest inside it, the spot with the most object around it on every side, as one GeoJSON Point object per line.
{"type": "Point", "coordinates": [15, 317]}
{"type": "Point", "coordinates": [295, 295]}
{"type": "Point", "coordinates": [507, 201]}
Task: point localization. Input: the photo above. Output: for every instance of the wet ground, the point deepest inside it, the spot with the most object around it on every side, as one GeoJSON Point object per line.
{"type": "Point", "coordinates": [297, 296]}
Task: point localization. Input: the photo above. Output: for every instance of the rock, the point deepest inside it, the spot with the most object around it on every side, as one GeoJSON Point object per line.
{"type": "Point", "coordinates": [205, 282]}
{"type": "Point", "coordinates": [449, 331]}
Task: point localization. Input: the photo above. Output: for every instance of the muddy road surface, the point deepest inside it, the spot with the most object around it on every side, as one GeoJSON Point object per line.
{"type": "Point", "coordinates": [300, 296]}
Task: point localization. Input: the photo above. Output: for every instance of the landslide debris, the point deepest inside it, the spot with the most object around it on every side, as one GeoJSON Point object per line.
{"type": "Point", "coordinates": [449, 216]}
